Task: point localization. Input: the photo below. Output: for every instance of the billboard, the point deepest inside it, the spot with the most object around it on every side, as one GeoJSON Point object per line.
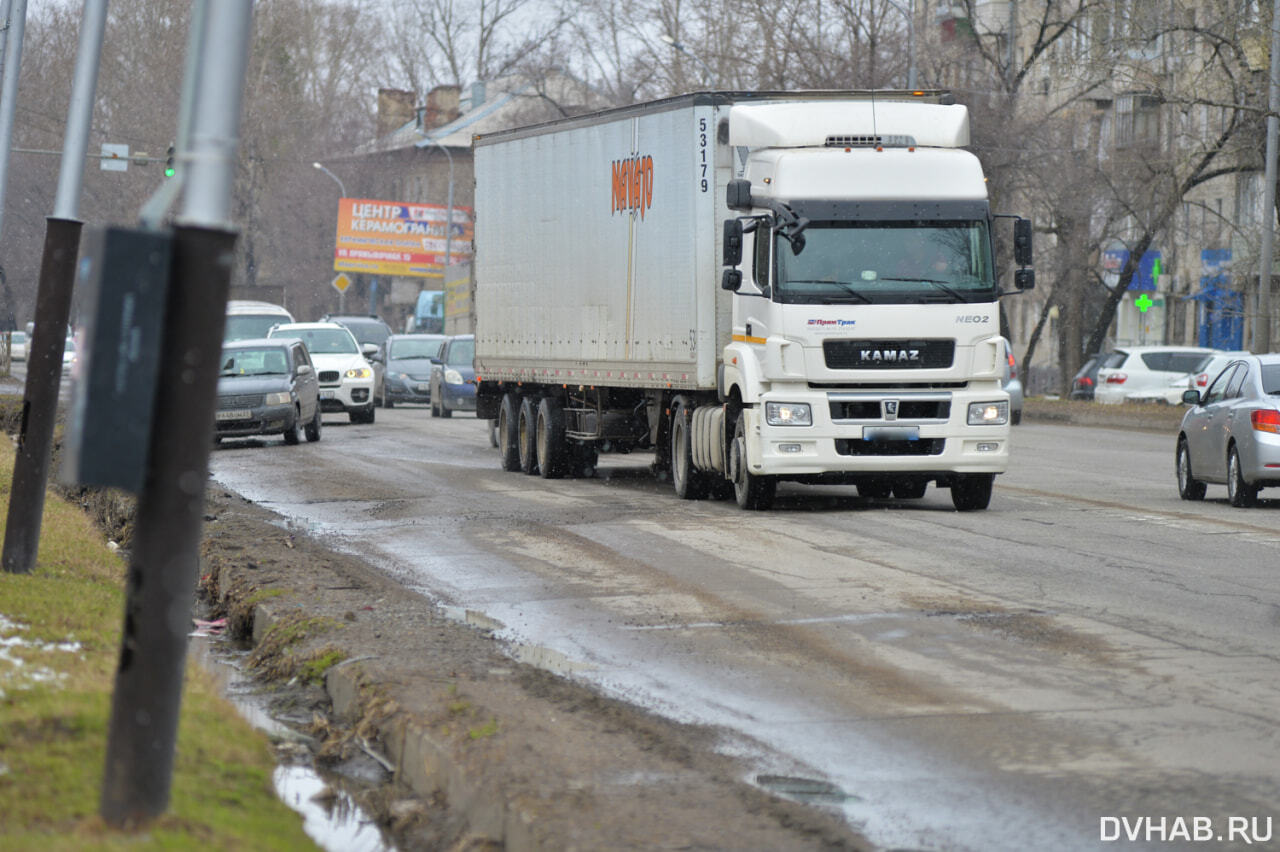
{"type": "Point", "coordinates": [399, 238]}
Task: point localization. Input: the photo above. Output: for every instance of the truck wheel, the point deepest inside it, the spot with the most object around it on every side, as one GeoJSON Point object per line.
{"type": "Point", "coordinates": [549, 440]}
{"type": "Point", "coordinates": [690, 483]}
{"type": "Point", "coordinates": [971, 491]}
{"type": "Point", "coordinates": [751, 491]}
{"type": "Point", "coordinates": [508, 436]}
{"type": "Point", "coordinates": [526, 429]}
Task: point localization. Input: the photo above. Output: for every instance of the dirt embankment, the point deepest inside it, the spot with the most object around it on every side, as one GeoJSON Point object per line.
{"type": "Point", "coordinates": [479, 751]}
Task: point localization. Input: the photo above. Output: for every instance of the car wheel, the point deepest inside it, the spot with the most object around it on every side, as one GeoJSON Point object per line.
{"type": "Point", "coordinates": [293, 434]}
{"type": "Point", "coordinates": [508, 436]}
{"type": "Point", "coordinates": [910, 489]}
{"type": "Point", "coordinates": [1188, 487]}
{"type": "Point", "coordinates": [690, 483]}
{"type": "Point", "coordinates": [1241, 493]}
{"type": "Point", "coordinates": [971, 491]}
{"type": "Point", "coordinates": [313, 428]}
{"type": "Point", "coordinates": [387, 402]}
{"type": "Point", "coordinates": [444, 409]}
{"type": "Point", "coordinates": [526, 433]}
{"type": "Point", "coordinates": [549, 440]}
{"type": "Point", "coordinates": [750, 491]}
{"type": "Point", "coordinates": [1015, 418]}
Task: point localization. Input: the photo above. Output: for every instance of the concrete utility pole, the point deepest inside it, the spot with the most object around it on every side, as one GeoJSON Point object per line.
{"type": "Point", "coordinates": [53, 301]}
{"type": "Point", "coordinates": [1262, 319]}
{"type": "Point", "coordinates": [164, 565]}
{"type": "Point", "coordinates": [15, 21]}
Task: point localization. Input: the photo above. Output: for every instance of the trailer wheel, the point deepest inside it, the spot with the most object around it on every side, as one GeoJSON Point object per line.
{"type": "Point", "coordinates": [508, 419]}
{"type": "Point", "coordinates": [751, 491]}
{"type": "Point", "coordinates": [526, 428]}
{"type": "Point", "coordinates": [690, 483]}
{"type": "Point", "coordinates": [549, 439]}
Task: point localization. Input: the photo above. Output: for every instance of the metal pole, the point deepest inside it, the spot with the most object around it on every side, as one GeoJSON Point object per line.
{"type": "Point", "coordinates": [164, 564]}
{"type": "Point", "coordinates": [341, 187]}
{"type": "Point", "coordinates": [910, 12]}
{"type": "Point", "coordinates": [1262, 319]}
{"type": "Point", "coordinates": [17, 27]}
{"type": "Point", "coordinates": [708, 79]}
{"type": "Point", "coordinates": [53, 307]}
{"type": "Point", "coordinates": [448, 225]}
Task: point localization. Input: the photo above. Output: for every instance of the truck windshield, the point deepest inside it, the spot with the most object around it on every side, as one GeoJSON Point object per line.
{"type": "Point", "coordinates": [887, 262]}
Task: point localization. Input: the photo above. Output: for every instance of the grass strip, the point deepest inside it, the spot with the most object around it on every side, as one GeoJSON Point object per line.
{"type": "Point", "coordinates": [59, 641]}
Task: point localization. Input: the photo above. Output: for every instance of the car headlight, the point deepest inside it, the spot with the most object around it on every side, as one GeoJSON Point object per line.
{"type": "Point", "coordinates": [988, 413]}
{"type": "Point", "coordinates": [788, 414]}
{"type": "Point", "coordinates": [278, 398]}
{"type": "Point", "coordinates": [453, 377]}
{"type": "Point", "coordinates": [359, 373]}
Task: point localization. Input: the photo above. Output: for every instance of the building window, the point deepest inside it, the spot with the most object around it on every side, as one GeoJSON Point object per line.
{"type": "Point", "coordinates": [1137, 119]}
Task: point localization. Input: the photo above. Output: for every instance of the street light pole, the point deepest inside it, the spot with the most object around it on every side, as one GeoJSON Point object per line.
{"type": "Point", "coordinates": [708, 77]}
{"type": "Point", "coordinates": [341, 187]}
{"type": "Point", "coordinates": [910, 12]}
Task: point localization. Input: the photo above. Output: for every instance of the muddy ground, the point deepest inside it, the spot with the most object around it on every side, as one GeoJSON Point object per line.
{"type": "Point", "coordinates": [486, 752]}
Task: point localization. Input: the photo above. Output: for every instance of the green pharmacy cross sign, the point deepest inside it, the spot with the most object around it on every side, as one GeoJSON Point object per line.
{"type": "Point", "coordinates": [1144, 303]}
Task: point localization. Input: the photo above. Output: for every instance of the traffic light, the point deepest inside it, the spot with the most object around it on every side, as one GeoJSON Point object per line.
{"type": "Point", "coordinates": [168, 163]}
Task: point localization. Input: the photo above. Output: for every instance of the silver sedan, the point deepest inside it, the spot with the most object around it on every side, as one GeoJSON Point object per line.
{"type": "Point", "coordinates": [1231, 433]}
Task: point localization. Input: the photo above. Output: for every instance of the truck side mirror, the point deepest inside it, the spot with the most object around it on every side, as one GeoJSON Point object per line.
{"type": "Point", "coordinates": [738, 194]}
{"type": "Point", "coordinates": [1022, 242]}
{"type": "Point", "coordinates": [732, 242]}
{"type": "Point", "coordinates": [731, 280]}
{"type": "Point", "coordinates": [1024, 279]}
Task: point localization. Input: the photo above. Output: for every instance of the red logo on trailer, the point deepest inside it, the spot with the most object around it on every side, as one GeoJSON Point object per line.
{"type": "Point", "coordinates": [633, 184]}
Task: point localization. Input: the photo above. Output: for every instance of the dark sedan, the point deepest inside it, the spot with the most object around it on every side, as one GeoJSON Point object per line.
{"type": "Point", "coordinates": [453, 377]}
{"type": "Point", "coordinates": [407, 358]}
{"type": "Point", "coordinates": [268, 387]}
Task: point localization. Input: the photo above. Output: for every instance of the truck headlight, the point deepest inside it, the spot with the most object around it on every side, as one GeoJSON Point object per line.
{"type": "Point", "coordinates": [359, 373]}
{"type": "Point", "coordinates": [988, 413]}
{"type": "Point", "coordinates": [788, 414]}
{"type": "Point", "coordinates": [278, 398]}
{"type": "Point", "coordinates": [452, 377]}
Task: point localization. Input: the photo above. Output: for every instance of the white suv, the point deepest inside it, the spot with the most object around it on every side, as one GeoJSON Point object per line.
{"type": "Point", "coordinates": [346, 378]}
{"type": "Point", "coordinates": [1145, 373]}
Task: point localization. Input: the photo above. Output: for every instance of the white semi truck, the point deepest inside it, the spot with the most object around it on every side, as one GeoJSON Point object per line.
{"type": "Point", "coordinates": [757, 287]}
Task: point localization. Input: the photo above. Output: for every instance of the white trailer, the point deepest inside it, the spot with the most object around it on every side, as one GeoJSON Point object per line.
{"type": "Point", "coordinates": [859, 342]}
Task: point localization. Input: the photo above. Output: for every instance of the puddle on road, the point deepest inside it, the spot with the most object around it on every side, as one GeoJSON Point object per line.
{"type": "Point", "coordinates": [331, 817]}
{"type": "Point", "coordinates": [538, 656]}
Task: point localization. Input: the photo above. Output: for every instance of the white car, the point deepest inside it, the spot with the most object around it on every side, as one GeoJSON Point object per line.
{"type": "Point", "coordinates": [18, 345]}
{"type": "Point", "coordinates": [1147, 373]}
{"type": "Point", "coordinates": [346, 377]}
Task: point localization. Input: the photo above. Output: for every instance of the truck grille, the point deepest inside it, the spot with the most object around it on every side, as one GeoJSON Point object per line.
{"type": "Point", "coordinates": [922, 447]}
{"type": "Point", "coordinates": [888, 354]}
{"type": "Point", "coordinates": [244, 400]}
{"type": "Point", "coordinates": [908, 409]}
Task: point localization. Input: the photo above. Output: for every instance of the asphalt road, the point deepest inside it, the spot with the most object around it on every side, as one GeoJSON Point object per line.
{"type": "Point", "coordinates": [1085, 659]}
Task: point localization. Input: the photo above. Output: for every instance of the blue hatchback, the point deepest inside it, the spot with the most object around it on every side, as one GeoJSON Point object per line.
{"type": "Point", "coordinates": [453, 377]}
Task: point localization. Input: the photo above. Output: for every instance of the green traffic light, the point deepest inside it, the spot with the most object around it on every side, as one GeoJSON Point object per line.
{"type": "Point", "coordinates": [169, 171]}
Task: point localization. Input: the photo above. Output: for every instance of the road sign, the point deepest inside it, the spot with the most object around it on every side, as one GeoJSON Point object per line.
{"type": "Point", "coordinates": [115, 158]}
{"type": "Point", "coordinates": [341, 282]}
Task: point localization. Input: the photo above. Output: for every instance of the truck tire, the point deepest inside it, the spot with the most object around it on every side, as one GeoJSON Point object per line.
{"type": "Point", "coordinates": [690, 483]}
{"type": "Point", "coordinates": [549, 439]}
{"type": "Point", "coordinates": [526, 433]}
{"type": "Point", "coordinates": [751, 492]}
{"type": "Point", "coordinates": [508, 420]}
{"type": "Point", "coordinates": [971, 491]}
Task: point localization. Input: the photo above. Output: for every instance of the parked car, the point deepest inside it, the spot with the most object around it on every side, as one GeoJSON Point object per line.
{"type": "Point", "coordinates": [267, 387]}
{"type": "Point", "coordinates": [453, 377]}
{"type": "Point", "coordinates": [407, 359]}
{"type": "Point", "coordinates": [1231, 433]}
{"type": "Point", "coordinates": [249, 319]}
{"type": "Point", "coordinates": [346, 377]}
{"type": "Point", "coordinates": [18, 345]}
{"type": "Point", "coordinates": [1135, 373]}
{"type": "Point", "coordinates": [1199, 379]}
{"type": "Point", "coordinates": [1086, 378]}
{"type": "Point", "coordinates": [367, 330]}
{"type": "Point", "coordinates": [1012, 383]}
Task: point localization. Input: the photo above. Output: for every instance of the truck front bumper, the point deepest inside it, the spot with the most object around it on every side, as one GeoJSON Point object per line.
{"type": "Point", "coordinates": [940, 444]}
